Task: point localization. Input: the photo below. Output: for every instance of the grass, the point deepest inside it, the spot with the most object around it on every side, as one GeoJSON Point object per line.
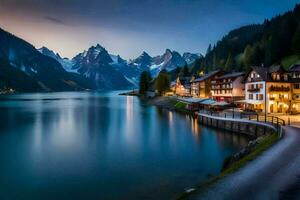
{"type": "Point", "coordinates": [259, 149]}
{"type": "Point", "coordinates": [180, 105]}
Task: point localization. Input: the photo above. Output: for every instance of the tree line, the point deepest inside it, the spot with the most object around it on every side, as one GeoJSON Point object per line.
{"type": "Point", "coordinates": [266, 44]}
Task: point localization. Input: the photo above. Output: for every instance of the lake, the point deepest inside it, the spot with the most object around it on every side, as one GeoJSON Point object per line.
{"type": "Point", "coordinates": [82, 145]}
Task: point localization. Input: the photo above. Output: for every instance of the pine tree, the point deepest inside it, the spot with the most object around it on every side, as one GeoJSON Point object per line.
{"type": "Point", "coordinates": [215, 62]}
{"type": "Point", "coordinates": [162, 83]}
{"type": "Point", "coordinates": [145, 80]}
{"type": "Point", "coordinates": [184, 71]}
{"type": "Point", "coordinates": [208, 49]}
{"type": "Point", "coordinates": [229, 65]}
{"type": "Point", "coordinates": [247, 56]}
{"type": "Point", "coordinates": [296, 42]}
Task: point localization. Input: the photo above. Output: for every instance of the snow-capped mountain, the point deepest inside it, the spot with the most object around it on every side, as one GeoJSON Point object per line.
{"type": "Point", "coordinates": [105, 70]}
{"type": "Point", "coordinates": [110, 71]}
{"type": "Point", "coordinates": [26, 69]}
{"type": "Point", "coordinates": [190, 58]}
{"type": "Point", "coordinates": [129, 72]}
{"type": "Point", "coordinates": [169, 61]}
{"type": "Point", "coordinates": [65, 62]}
{"type": "Point", "coordinates": [143, 62]}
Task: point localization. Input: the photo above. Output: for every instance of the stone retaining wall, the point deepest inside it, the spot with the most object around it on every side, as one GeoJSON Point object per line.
{"type": "Point", "coordinates": [239, 126]}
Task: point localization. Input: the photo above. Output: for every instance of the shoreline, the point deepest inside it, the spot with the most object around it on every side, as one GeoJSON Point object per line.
{"type": "Point", "coordinates": [233, 163]}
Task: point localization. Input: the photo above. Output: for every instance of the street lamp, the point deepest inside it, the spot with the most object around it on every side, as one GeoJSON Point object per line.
{"type": "Point", "coordinates": [232, 104]}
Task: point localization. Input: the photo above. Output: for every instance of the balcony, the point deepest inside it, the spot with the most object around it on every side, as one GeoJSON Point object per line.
{"type": "Point", "coordinates": [253, 90]}
{"type": "Point", "coordinates": [254, 79]}
{"type": "Point", "coordinates": [279, 89]}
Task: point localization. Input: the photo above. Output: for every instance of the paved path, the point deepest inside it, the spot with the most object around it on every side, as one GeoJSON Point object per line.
{"type": "Point", "coordinates": [273, 175]}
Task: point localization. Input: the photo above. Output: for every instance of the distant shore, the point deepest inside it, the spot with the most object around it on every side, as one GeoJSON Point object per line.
{"type": "Point", "coordinates": [130, 93]}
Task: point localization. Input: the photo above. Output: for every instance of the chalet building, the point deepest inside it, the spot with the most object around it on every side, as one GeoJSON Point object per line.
{"type": "Point", "coordinates": [294, 72]}
{"type": "Point", "coordinates": [201, 86]}
{"type": "Point", "coordinates": [183, 86]}
{"type": "Point", "coordinates": [228, 87]}
{"type": "Point", "coordinates": [270, 87]}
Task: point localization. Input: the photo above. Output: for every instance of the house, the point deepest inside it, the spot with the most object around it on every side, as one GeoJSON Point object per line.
{"type": "Point", "coordinates": [173, 86]}
{"type": "Point", "coordinates": [294, 73]}
{"type": "Point", "coordinates": [228, 87]}
{"type": "Point", "coordinates": [268, 88]}
{"type": "Point", "coordinates": [183, 86]}
{"type": "Point", "coordinates": [201, 86]}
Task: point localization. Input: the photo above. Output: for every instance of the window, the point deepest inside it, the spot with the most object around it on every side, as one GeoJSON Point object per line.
{"type": "Point", "coordinates": [260, 97]}
{"type": "Point", "coordinates": [250, 96]}
{"type": "Point", "coordinates": [256, 96]}
{"type": "Point", "coordinates": [277, 77]}
{"type": "Point", "coordinates": [297, 86]}
{"type": "Point", "coordinates": [260, 86]}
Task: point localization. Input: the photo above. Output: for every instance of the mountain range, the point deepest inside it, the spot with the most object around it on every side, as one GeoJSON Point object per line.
{"type": "Point", "coordinates": [23, 68]}
{"type": "Point", "coordinates": [108, 71]}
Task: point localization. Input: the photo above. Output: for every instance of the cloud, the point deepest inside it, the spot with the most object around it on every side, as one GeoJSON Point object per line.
{"type": "Point", "coordinates": [55, 20]}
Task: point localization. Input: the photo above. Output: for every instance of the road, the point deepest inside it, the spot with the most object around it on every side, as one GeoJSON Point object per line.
{"type": "Point", "coordinates": [273, 175]}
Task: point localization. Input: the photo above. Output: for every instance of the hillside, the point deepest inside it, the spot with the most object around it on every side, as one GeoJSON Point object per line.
{"type": "Point", "coordinates": [276, 41]}
{"type": "Point", "coordinates": [23, 68]}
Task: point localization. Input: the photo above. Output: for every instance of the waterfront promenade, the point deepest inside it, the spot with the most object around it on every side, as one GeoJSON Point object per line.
{"type": "Point", "coordinates": [273, 175]}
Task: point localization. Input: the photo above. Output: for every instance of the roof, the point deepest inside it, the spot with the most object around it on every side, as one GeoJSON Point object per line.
{"type": "Point", "coordinates": [184, 80]}
{"type": "Point", "coordinates": [220, 103]}
{"type": "Point", "coordinates": [207, 102]}
{"type": "Point", "coordinates": [295, 68]}
{"type": "Point", "coordinates": [192, 100]}
{"type": "Point", "coordinates": [276, 68]}
{"type": "Point", "coordinates": [173, 83]}
{"type": "Point", "coordinates": [232, 75]}
{"type": "Point", "coordinates": [187, 85]}
{"type": "Point", "coordinates": [207, 76]}
{"type": "Point", "coordinates": [265, 72]}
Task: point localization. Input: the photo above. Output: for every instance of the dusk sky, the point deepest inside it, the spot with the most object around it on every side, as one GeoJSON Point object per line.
{"type": "Point", "coordinates": [128, 27]}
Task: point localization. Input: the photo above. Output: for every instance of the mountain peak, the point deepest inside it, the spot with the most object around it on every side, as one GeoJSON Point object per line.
{"type": "Point", "coordinates": [168, 51]}
{"type": "Point", "coordinates": [145, 53]}
{"type": "Point", "coordinates": [45, 51]}
{"type": "Point", "coordinates": [98, 46]}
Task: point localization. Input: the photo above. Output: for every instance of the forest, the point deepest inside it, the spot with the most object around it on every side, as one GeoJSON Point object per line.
{"type": "Point", "coordinates": [276, 41]}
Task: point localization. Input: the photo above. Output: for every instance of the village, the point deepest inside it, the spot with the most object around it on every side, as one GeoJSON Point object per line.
{"type": "Point", "coordinates": [271, 90]}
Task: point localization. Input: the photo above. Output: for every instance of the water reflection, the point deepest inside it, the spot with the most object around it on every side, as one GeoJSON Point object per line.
{"type": "Point", "coordinates": [85, 145]}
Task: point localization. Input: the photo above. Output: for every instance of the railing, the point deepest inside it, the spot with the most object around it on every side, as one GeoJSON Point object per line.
{"type": "Point", "coordinates": [253, 90]}
{"type": "Point", "coordinates": [254, 79]}
{"type": "Point", "coordinates": [271, 120]}
{"type": "Point", "coordinates": [279, 89]}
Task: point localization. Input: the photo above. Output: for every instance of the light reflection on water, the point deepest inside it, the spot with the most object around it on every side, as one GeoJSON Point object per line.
{"type": "Point", "coordinates": [103, 146]}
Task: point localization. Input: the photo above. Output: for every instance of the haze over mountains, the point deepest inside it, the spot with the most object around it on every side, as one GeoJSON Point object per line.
{"type": "Point", "coordinates": [110, 71]}
{"type": "Point", "coordinates": [23, 68]}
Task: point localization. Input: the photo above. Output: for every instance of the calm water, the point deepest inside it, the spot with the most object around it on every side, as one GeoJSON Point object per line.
{"type": "Point", "coordinates": [103, 146]}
